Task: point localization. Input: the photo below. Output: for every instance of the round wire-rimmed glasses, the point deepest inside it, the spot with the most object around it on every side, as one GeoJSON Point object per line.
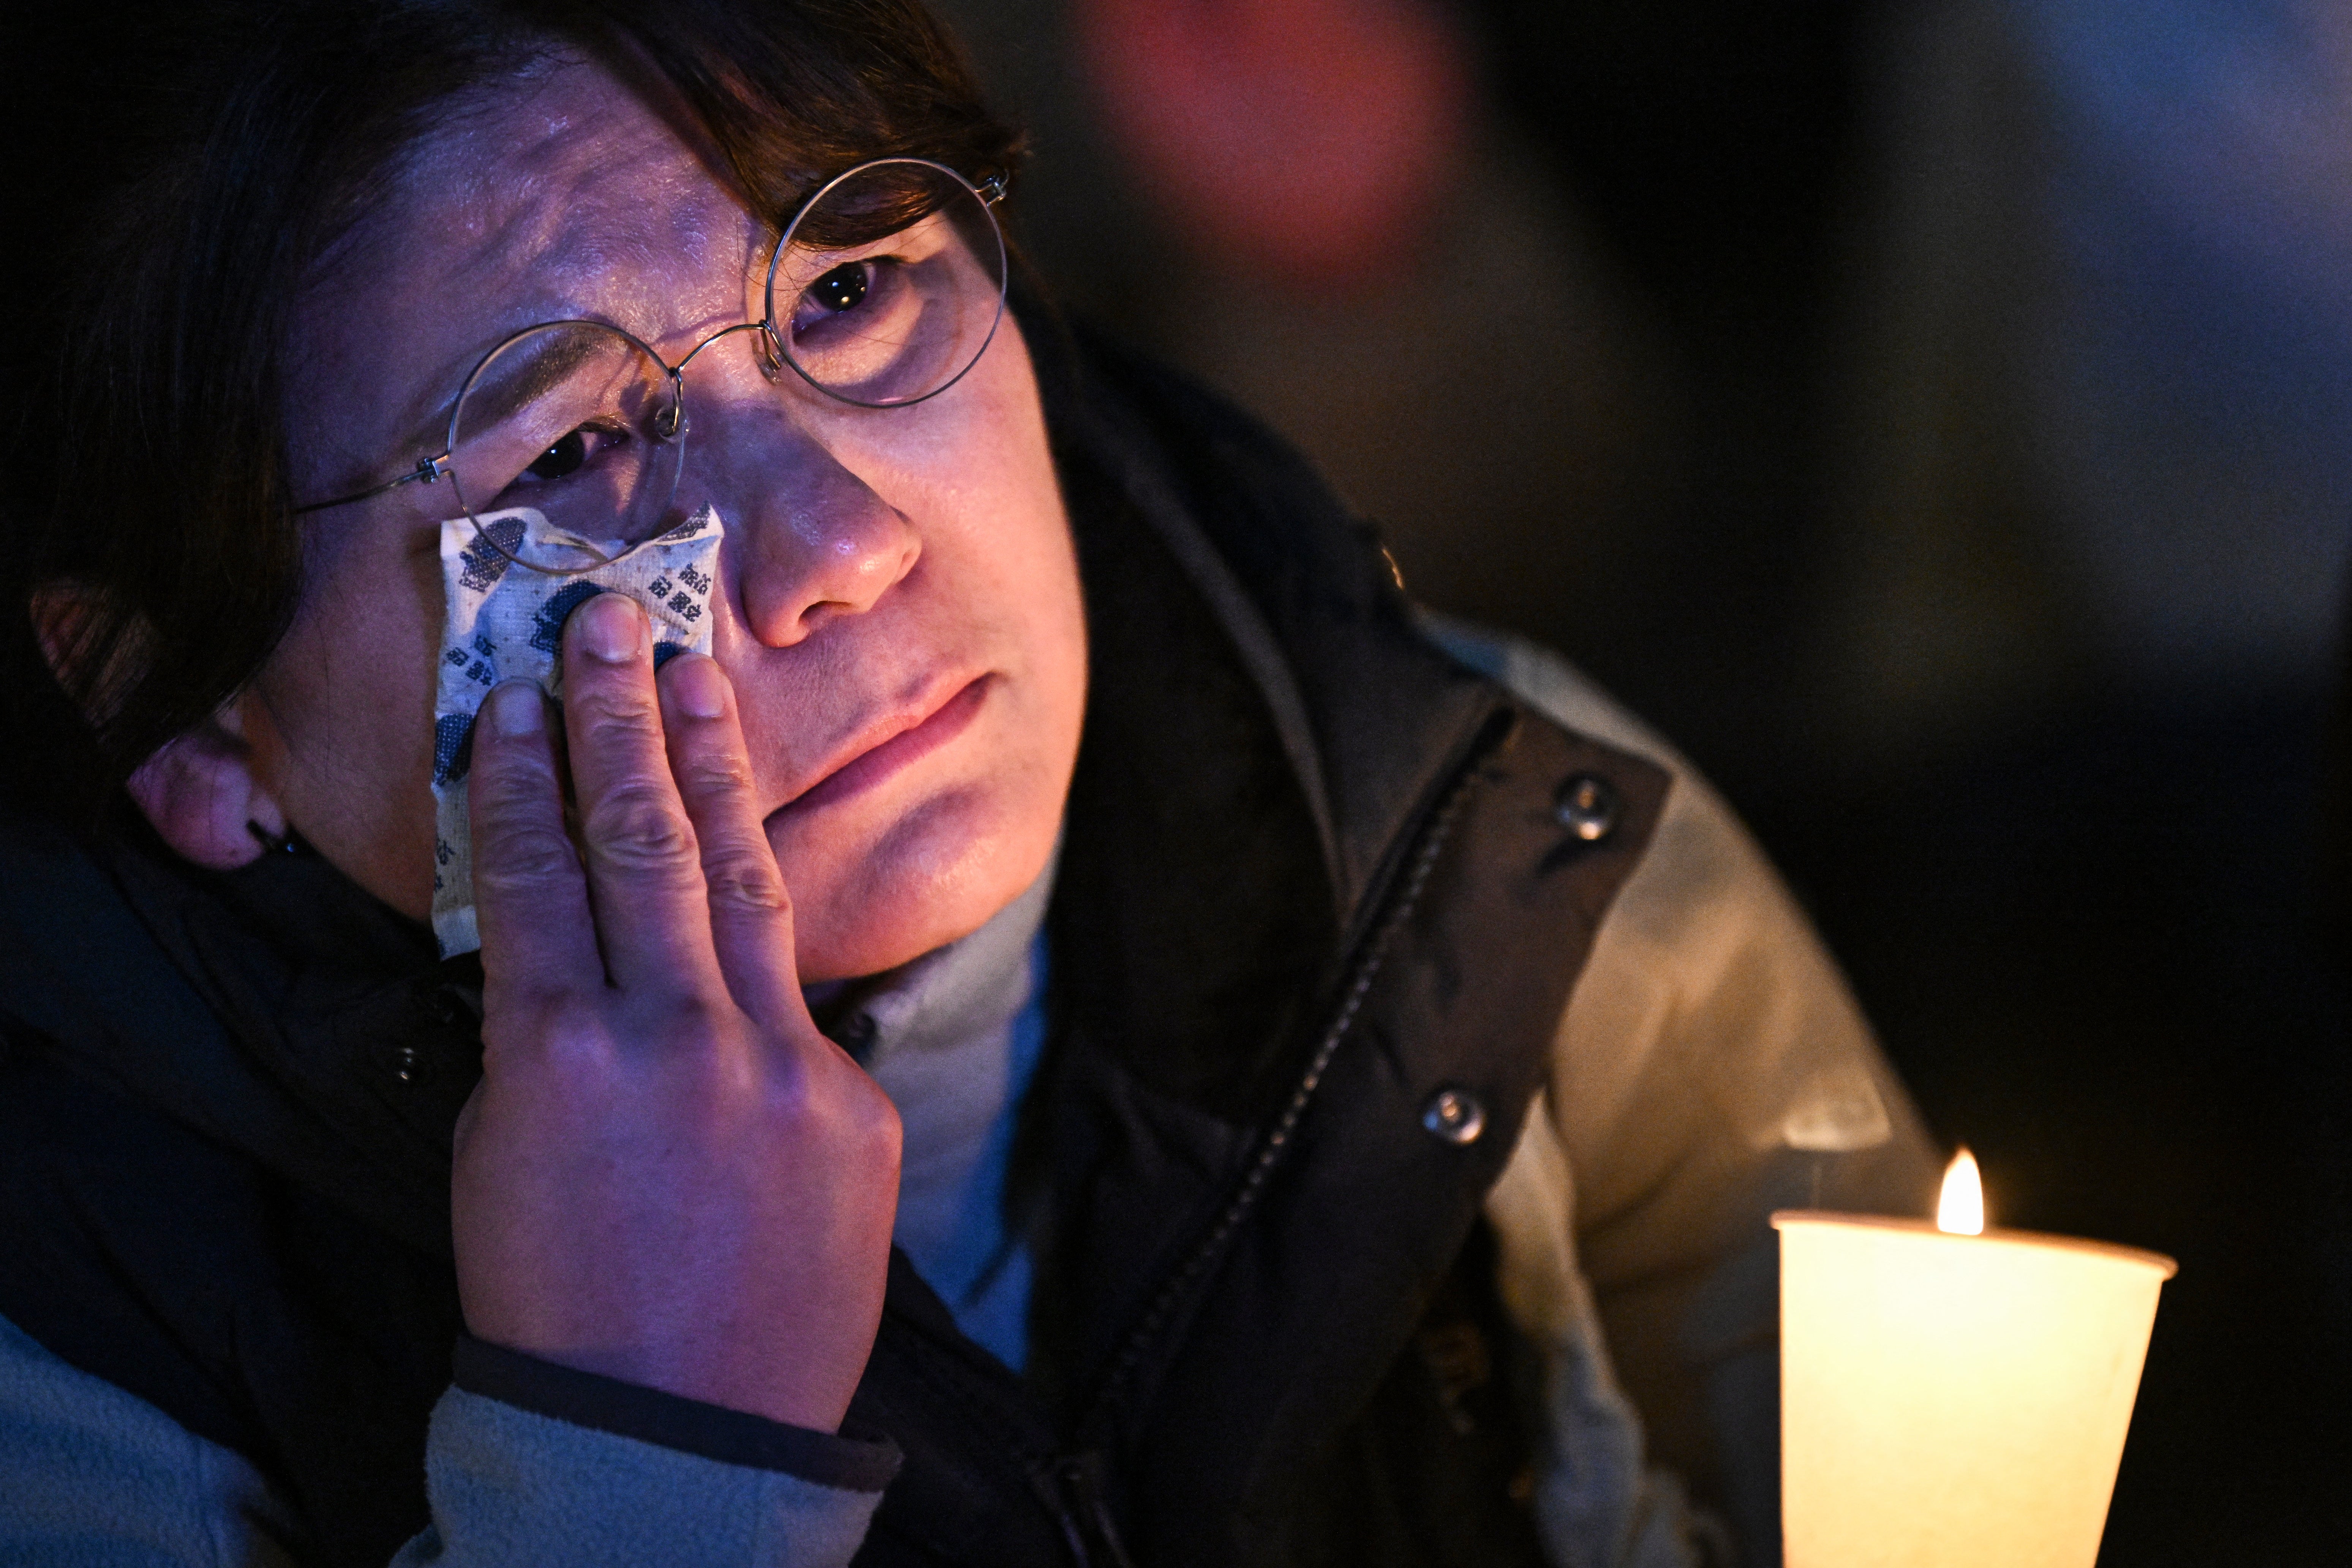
{"type": "Point", "coordinates": [885, 290]}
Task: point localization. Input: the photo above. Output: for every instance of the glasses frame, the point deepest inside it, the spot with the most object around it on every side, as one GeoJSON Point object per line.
{"type": "Point", "coordinates": [988, 191]}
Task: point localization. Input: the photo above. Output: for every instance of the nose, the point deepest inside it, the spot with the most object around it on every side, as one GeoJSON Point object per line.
{"type": "Point", "coordinates": [809, 541]}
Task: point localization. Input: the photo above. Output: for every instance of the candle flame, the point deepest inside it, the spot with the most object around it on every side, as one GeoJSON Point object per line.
{"type": "Point", "coordinates": [1960, 1211]}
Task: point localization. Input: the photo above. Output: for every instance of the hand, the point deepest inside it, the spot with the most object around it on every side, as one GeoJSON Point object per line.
{"type": "Point", "coordinates": [667, 1175]}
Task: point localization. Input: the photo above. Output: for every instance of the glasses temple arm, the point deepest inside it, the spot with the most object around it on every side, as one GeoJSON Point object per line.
{"type": "Point", "coordinates": [428, 469]}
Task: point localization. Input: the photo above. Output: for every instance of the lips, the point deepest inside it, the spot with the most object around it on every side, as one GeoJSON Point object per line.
{"type": "Point", "coordinates": [891, 751]}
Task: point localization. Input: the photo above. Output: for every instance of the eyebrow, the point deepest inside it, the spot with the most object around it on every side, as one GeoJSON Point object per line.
{"type": "Point", "coordinates": [518, 378]}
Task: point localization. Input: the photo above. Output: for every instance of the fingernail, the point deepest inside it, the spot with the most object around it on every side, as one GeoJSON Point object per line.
{"type": "Point", "coordinates": [612, 627]}
{"type": "Point", "coordinates": [517, 708]}
{"type": "Point", "coordinates": [699, 685]}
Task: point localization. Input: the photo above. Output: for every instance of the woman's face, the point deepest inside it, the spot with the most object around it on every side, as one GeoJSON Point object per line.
{"type": "Point", "coordinates": [897, 606]}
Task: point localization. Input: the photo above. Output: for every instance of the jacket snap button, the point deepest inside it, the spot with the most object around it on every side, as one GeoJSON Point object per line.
{"type": "Point", "coordinates": [1587, 807]}
{"type": "Point", "coordinates": [1454, 1115]}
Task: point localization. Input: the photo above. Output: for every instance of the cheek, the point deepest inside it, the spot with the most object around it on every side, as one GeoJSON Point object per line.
{"type": "Point", "coordinates": [1005, 558]}
{"type": "Point", "coordinates": [346, 750]}
{"type": "Point", "coordinates": [1003, 571]}
{"type": "Point", "coordinates": [979, 478]}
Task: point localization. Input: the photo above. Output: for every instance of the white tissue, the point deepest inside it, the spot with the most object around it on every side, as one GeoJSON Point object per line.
{"type": "Point", "coordinates": [506, 621]}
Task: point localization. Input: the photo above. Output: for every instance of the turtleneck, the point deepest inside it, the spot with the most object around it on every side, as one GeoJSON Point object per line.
{"type": "Point", "coordinates": [954, 1038]}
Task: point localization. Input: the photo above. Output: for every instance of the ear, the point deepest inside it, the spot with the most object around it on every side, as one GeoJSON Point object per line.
{"type": "Point", "coordinates": [200, 792]}
{"type": "Point", "coordinates": [202, 795]}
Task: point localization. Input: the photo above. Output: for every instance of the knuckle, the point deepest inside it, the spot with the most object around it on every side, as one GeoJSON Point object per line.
{"type": "Point", "coordinates": [877, 1128]}
{"type": "Point", "coordinates": [572, 1018]}
{"type": "Point", "coordinates": [638, 825]}
{"type": "Point", "coordinates": [743, 881]}
{"type": "Point", "coordinates": [606, 715]}
{"type": "Point", "coordinates": [522, 857]}
{"type": "Point", "coordinates": [724, 773]}
{"type": "Point", "coordinates": [546, 1025]}
{"type": "Point", "coordinates": [870, 1135]}
{"type": "Point", "coordinates": [825, 1099]}
{"type": "Point", "coordinates": [510, 781]}
{"type": "Point", "coordinates": [687, 1026]}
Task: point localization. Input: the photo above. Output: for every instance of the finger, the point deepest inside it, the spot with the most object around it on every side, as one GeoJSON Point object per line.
{"type": "Point", "coordinates": [645, 876]}
{"type": "Point", "coordinates": [750, 910]}
{"type": "Point", "coordinates": [530, 897]}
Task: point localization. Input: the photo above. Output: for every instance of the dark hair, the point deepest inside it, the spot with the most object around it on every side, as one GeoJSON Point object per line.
{"type": "Point", "coordinates": [179, 168]}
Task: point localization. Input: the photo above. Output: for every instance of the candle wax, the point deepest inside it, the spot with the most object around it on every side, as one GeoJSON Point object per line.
{"type": "Point", "coordinates": [1951, 1400]}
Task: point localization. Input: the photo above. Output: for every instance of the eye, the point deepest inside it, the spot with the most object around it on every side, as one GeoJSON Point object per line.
{"type": "Point", "coordinates": [564, 457]}
{"type": "Point", "coordinates": [843, 289]}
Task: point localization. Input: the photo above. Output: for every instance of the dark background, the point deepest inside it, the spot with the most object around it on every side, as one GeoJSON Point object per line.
{"type": "Point", "coordinates": [1938, 419]}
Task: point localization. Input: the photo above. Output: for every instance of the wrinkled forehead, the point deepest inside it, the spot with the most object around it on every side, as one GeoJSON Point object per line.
{"type": "Point", "coordinates": [557, 180]}
{"type": "Point", "coordinates": [551, 193]}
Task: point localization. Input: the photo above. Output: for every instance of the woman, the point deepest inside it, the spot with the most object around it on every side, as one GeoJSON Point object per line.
{"type": "Point", "coordinates": [1281, 1017]}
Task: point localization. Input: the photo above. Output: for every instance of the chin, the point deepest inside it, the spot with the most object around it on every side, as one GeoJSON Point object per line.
{"type": "Point", "coordinates": [864, 903]}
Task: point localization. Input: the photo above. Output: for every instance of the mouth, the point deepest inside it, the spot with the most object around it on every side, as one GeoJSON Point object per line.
{"type": "Point", "coordinates": [884, 753]}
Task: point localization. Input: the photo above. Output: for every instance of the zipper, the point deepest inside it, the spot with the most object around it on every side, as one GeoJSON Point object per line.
{"type": "Point", "coordinates": [1073, 1487]}
{"type": "Point", "coordinates": [1394, 907]}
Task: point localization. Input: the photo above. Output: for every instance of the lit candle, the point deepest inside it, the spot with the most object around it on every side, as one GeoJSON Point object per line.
{"type": "Point", "coordinates": [1949, 1397]}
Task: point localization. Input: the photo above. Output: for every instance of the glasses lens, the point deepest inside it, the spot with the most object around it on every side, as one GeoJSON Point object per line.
{"type": "Point", "coordinates": [888, 284]}
{"type": "Point", "coordinates": [579, 423]}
